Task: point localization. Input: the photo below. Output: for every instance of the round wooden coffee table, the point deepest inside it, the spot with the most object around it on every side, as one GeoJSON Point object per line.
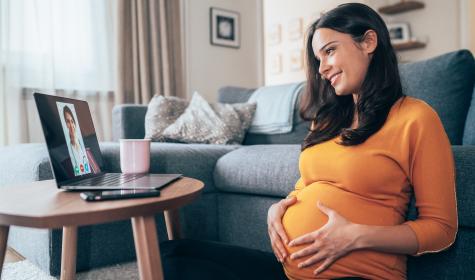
{"type": "Point", "coordinates": [41, 205]}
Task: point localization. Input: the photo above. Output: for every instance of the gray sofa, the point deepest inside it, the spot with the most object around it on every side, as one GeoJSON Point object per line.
{"type": "Point", "coordinates": [242, 181]}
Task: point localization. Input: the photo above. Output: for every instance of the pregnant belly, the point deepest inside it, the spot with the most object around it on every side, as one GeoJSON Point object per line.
{"type": "Point", "coordinates": [304, 217]}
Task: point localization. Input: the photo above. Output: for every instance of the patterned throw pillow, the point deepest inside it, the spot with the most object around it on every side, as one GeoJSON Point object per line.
{"type": "Point", "coordinates": [211, 124]}
{"type": "Point", "coordinates": [237, 117]}
{"type": "Point", "coordinates": [161, 113]}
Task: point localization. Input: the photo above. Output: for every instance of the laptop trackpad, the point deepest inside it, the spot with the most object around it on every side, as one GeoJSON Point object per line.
{"type": "Point", "coordinates": [155, 181]}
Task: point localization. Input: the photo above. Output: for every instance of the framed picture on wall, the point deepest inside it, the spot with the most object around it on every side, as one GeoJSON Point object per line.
{"type": "Point", "coordinates": [295, 29]}
{"type": "Point", "coordinates": [296, 60]}
{"type": "Point", "coordinates": [274, 35]}
{"type": "Point", "coordinates": [399, 32]}
{"type": "Point", "coordinates": [276, 64]}
{"type": "Point", "coordinates": [224, 28]}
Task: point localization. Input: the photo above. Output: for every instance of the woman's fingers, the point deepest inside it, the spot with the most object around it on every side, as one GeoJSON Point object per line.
{"type": "Point", "coordinates": [276, 252]}
{"type": "Point", "coordinates": [311, 249]}
{"type": "Point", "coordinates": [304, 239]}
{"type": "Point", "coordinates": [275, 238]}
{"type": "Point", "coordinates": [281, 232]}
{"type": "Point", "coordinates": [277, 225]}
{"type": "Point", "coordinates": [289, 201]}
{"type": "Point", "coordinates": [276, 230]}
{"type": "Point", "coordinates": [312, 260]}
{"type": "Point", "coordinates": [324, 266]}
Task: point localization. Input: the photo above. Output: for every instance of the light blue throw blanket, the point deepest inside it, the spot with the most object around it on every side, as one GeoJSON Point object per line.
{"type": "Point", "coordinates": [275, 108]}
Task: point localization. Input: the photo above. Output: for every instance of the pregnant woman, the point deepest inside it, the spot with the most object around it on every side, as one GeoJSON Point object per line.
{"type": "Point", "coordinates": [369, 149]}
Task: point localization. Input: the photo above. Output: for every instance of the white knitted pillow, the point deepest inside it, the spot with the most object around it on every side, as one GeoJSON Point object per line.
{"type": "Point", "coordinates": [211, 124]}
{"type": "Point", "coordinates": [161, 113]}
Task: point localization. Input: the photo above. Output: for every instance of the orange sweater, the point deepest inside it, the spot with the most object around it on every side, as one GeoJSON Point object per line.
{"type": "Point", "coordinates": [371, 184]}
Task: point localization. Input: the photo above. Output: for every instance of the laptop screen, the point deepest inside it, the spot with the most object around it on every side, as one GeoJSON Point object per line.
{"type": "Point", "coordinates": [70, 136]}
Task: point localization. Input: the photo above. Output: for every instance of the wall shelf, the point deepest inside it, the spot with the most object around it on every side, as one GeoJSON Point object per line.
{"type": "Point", "coordinates": [409, 45]}
{"type": "Point", "coordinates": [401, 7]}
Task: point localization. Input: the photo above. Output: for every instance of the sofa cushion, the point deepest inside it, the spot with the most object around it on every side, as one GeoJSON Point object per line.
{"type": "Point", "coordinates": [446, 83]}
{"type": "Point", "coordinates": [259, 169]}
{"type": "Point", "coordinates": [162, 111]}
{"type": "Point", "coordinates": [469, 132]}
{"type": "Point", "coordinates": [192, 160]}
{"type": "Point", "coordinates": [237, 117]}
{"type": "Point", "coordinates": [198, 124]}
{"type": "Point", "coordinates": [211, 124]}
{"type": "Point", "coordinates": [296, 136]}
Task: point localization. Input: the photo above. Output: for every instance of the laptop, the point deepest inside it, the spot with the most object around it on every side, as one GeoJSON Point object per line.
{"type": "Point", "coordinates": [74, 153]}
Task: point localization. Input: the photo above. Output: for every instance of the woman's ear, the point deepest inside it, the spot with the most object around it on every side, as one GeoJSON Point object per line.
{"type": "Point", "coordinates": [370, 41]}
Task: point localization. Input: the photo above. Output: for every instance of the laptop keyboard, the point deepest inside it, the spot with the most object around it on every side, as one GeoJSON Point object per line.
{"type": "Point", "coordinates": [108, 179]}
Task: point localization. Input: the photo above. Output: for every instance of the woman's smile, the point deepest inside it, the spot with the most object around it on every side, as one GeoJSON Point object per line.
{"type": "Point", "coordinates": [334, 78]}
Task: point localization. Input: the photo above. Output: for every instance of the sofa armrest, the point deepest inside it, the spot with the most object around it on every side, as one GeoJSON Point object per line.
{"type": "Point", "coordinates": [128, 121]}
{"type": "Point", "coordinates": [24, 163]}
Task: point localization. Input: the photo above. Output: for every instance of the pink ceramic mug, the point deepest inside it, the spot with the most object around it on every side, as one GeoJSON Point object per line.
{"type": "Point", "coordinates": [135, 155]}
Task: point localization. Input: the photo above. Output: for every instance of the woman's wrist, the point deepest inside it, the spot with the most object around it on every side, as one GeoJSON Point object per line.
{"type": "Point", "coordinates": [360, 233]}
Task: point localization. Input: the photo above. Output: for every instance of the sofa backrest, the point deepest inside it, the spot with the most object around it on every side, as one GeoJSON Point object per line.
{"type": "Point", "coordinates": [469, 131]}
{"type": "Point", "coordinates": [128, 121]}
{"type": "Point", "coordinates": [445, 82]}
{"type": "Point", "coordinates": [232, 94]}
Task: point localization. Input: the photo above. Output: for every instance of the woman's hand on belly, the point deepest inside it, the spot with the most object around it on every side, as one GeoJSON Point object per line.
{"type": "Point", "coordinates": [274, 226]}
{"type": "Point", "coordinates": [329, 243]}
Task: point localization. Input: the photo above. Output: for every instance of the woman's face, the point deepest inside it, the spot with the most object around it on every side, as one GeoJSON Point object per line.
{"type": "Point", "coordinates": [71, 126]}
{"type": "Point", "coordinates": [343, 62]}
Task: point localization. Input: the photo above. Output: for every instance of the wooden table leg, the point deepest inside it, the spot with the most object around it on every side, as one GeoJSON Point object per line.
{"type": "Point", "coordinates": [172, 221]}
{"type": "Point", "coordinates": [146, 247]}
{"type": "Point", "coordinates": [3, 245]}
{"type": "Point", "coordinates": [68, 253]}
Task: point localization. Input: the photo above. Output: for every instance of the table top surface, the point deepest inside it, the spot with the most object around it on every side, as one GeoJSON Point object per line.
{"type": "Point", "coordinates": [42, 205]}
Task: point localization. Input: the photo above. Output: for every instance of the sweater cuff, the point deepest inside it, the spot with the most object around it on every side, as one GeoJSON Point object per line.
{"type": "Point", "coordinates": [420, 240]}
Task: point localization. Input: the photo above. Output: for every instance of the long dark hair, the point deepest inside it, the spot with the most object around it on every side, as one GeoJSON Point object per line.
{"type": "Point", "coordinates": [381, 88]}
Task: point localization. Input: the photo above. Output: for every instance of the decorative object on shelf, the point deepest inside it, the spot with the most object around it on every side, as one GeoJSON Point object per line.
{"type": "Point", "coordinates": [295, 29]}
{"type": "Point", "coordinates": [400, 7]}
{"type": "Point", "coordinates": [399, 32]}
{"type": "Point", "coordinates": [409, 45]}
{"type": "Point", "coordinates": [224, 28]}
{"type": "Point", "coordinates": [296, 60]}
{"type": "Point", "coordinates": [276, 64]}
{"type": "Point", "coordinates": [274, 36]}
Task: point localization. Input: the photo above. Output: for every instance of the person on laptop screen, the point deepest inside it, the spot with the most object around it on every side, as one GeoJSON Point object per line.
{"type": "Point", "coordinates": [74, 141]}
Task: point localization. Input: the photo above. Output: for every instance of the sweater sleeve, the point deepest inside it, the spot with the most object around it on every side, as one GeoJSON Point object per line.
{"type": "Point", "coordinates": [432, 175]}
{"type": "Point", "coordinates": [298, 186]}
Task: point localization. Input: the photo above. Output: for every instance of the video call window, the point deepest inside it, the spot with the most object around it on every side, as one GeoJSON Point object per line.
{"type": "Point", "coordinates": [74, 140]}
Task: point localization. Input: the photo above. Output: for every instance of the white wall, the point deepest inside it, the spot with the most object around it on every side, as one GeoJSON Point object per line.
{"type": "Point", "coordinates": [471, 30]}
{"type": "Point", "coordinates": [467, 24]}
{"type": "Point", "coordinates": [438, 24]}
{"type": "Point", "coordinates": [209, 67]}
